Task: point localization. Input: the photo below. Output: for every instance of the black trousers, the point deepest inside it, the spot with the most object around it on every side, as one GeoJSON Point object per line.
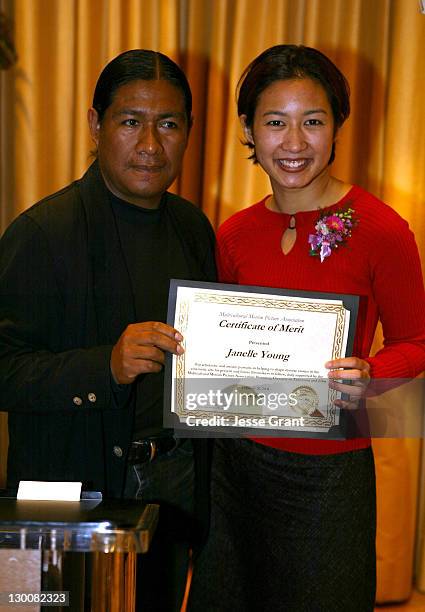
{"type": "Point", "coordinates": [289, 532]}
{"type": "Point", "coordinates": [162, 572]}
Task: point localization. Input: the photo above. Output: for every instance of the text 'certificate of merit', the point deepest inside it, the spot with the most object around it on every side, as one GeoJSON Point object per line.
{"type": "Point", "coordinates": [254, 360]}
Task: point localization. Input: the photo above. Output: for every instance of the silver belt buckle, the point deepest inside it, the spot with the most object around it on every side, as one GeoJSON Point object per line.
{"type": "Point", "coordinates": [153, 450]}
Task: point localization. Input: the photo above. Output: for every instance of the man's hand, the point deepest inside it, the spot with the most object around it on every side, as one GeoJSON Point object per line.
{"type": "Point", "coordinates": [353, 369]}
{"type": "Point", "coordinates": [141, 350]}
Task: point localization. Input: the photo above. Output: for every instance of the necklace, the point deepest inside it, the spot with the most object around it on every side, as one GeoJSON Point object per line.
{"type": "Point", "coordinates": [289, 236]}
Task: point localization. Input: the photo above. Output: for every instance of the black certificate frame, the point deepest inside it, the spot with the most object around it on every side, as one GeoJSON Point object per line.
{"type": "Point", "coordinates": [171, 420]}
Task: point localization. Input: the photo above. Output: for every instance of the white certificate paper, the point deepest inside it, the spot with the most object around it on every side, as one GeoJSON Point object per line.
{"type": "Point", "coordinates": [254, 358]}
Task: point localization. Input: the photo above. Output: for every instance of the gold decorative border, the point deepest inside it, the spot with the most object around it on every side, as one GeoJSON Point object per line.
{"type": "Point", "coordinates": [181, 322]}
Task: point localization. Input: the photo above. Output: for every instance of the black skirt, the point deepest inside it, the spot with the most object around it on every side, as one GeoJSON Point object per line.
{"type": "Point", "coordinates": [289, 532]}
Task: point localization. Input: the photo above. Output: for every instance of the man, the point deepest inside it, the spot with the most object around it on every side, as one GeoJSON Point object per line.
{"type": "Point", "coordinates": [84, 278]}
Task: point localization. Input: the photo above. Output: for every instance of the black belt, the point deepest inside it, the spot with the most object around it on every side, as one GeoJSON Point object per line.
{"type": "Point", "coordinates": [144, 451]}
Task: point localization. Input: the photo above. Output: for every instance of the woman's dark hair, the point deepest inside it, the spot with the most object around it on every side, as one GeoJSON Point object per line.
{"type": "Point", "coordinates": [284, 62]}
{"type": "Point", "coordinates": [139, 64]}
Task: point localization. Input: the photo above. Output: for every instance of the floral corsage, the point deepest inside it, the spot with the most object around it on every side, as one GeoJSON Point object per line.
{"type": "Point", "coordinates": [332, 231]}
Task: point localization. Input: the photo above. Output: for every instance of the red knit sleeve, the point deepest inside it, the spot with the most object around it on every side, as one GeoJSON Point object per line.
{"type": "Point", "coordinates": [225, 261]}
{"type": "Point", "coordinates": [399, 292]}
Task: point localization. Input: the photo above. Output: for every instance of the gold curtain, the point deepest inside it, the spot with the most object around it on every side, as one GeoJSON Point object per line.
{"type": "Point", "coordinates": [63, 45]}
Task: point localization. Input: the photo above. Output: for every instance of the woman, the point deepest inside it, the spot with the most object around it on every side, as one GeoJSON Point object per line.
{"type": "Point", "coordinates": [293, 520]}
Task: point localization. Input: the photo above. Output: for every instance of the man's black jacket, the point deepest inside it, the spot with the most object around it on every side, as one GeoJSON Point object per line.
{"type": "Point", "coordinates": [65, 298]}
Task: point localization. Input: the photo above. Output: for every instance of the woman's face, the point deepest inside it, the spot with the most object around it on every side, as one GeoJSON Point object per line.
{"type": "Point", "coordinates": [293, 133]}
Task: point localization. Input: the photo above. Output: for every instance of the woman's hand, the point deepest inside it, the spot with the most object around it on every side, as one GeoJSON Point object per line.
{"type": "Point", "coordinates": [350, 369]}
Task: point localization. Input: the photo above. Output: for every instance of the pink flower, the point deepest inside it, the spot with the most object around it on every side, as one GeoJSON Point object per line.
{"type": "Point", "coordinates": [335, 223]}
{"type": "Point", "coordinates": [331, 231]}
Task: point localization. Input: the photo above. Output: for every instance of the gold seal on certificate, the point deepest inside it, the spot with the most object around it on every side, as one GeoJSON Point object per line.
{"type": "Point", "coordinates": [307, 400]}
{"type": "Point", "coordinates": [254, 359]}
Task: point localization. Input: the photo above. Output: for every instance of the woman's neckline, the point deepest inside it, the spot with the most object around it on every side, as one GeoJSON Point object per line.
{"type": "Point", "coordinates": [313, 211]}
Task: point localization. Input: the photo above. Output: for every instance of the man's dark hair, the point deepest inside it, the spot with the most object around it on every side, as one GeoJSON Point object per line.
{"type": "Point", "coordinates": [139, 64]}
{"type": "Point", "coordinates": [284, 62]}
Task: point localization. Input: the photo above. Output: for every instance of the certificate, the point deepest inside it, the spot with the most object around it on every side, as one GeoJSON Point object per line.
{"type": "Point", "coordinates": [254, 360]}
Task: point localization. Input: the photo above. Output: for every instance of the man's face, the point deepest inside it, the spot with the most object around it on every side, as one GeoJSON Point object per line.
{"type": "Point", "coordinates": [141, 140]}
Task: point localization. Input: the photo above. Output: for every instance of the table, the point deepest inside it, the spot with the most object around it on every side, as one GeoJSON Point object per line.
{"type": "Point", "coordinates": [87, 548]}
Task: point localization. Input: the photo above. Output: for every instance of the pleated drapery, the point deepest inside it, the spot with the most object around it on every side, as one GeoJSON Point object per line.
{"type": "Point", "coordinates": [63, 44]}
